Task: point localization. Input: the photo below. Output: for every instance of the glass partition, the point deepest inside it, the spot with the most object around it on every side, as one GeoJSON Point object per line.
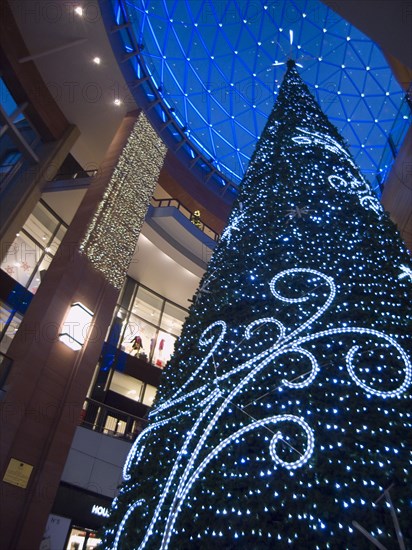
{"type": "Point", "coordinates": [148, 305]}
{"type": "Point", "coordinates": [132, 388]}
{"type": "Point", "coordinates": [9, 324]}
{"type": "Point", "coordinates": [30, 254]}
{"type": "Point", "coordinates": [127, 386]}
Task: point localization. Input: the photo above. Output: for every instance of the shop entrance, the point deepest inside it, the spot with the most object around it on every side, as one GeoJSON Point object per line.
{"type": "Point", "coordinates": [82, 539]}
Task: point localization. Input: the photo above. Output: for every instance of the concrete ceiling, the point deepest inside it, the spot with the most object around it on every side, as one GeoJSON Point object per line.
{"type": "Point", "coordinates": [63, 46]}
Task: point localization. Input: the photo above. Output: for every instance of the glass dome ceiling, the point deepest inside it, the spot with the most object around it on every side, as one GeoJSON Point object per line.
{"type": "Point", "coordinates": [218, 66]}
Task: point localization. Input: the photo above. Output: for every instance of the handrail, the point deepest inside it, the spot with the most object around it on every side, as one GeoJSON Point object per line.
{"type": "Point", "coordinates": [94, 416]}
{"type": "Point", "coordinates": [163, 203]}
{"type": "Point", "coordinates": [206, 229]}
{"type": "Point", "coordinates": [75, 175]}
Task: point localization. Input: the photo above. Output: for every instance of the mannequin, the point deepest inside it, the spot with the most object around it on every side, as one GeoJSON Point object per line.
{"type": "Point", "coordinates": [137, 345]}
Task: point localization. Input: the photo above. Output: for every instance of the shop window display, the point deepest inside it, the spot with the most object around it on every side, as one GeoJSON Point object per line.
{"type": "Point", "coordinates": [138, 338]}
{"type": "Point", "coordinates": [82, 539]}
{"type": "Point", "coordinates": [150, 326]}
{"type": "Point", "coordinates": [163, 349]}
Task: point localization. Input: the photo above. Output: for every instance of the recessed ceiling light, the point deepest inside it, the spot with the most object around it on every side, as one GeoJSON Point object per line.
{"type": "Point", "coordinates": [78, 10]}
{"type": "Point", "coordinates": [97, 60]}
{"type": "Point", "coordinates": [117, 101]}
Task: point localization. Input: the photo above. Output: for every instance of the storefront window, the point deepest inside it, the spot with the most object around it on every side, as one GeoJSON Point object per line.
{"type": "Point", "coordinates": [127, 386]}
{"type": "Point", "coordinates": [173, 318]}
{"type": "Point", "coordinates": [147, 305]}
{"type": "Point", "coordinates": [132, 388]}
{"type": "Point", "coordinates": [43, 266]}
{"type": "Point", "coordinates": [139, 338]}
{"type": "Point", "coordinates": [21, 259]}
{"type": "Point", "coordinates": [114, 426]}
{"type": "Point", "coordinates": [54, 245]}
{"type": "Point", "coordinates": [164, 349]}
{"type": "Point", "coordinates": [149, 395]}
{"type": "Point", "coordinates": [82, 539]}
{"type": "Point", "coordinates": [151, 327]}
{"type": "Point", "coordinates": [41, 224]}
{"type": "Point", "coordinates": [32, 251]}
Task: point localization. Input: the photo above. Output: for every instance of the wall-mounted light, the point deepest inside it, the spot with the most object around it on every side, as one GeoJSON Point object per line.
{"type": "Point", "coordinates": [76, 326]}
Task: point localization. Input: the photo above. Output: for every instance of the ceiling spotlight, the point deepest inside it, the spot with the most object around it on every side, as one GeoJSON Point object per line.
{"type": "Point", "coordinates": [117, 101]}
{"type": "Point", "coordinates": [78, 10]}
{"type": "Point", "coordinates": [97, 60]}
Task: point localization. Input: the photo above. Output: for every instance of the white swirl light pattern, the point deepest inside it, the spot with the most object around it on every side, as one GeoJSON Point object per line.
{"type": "Point", "coordinates": [233, 226]}
{"type": "Point", "coordinates": [216, 402]}
{"type": "Point", "coordinates": [352, 185]}
{"type": "Point", "coordinates": [128, 513]}
{"type": "Point", "coordinates": [406, 272]}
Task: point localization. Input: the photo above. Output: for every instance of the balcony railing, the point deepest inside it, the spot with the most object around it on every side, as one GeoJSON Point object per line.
{"type": "Point", "coordinates": [101, 418]}
{"type": "Point", "coordinates": [75, 175]}
{"type": "Point", "coordinates": [161, 203]}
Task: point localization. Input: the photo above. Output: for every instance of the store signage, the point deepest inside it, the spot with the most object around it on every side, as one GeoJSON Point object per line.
{"type": "Point", "coordinates": [100, 511]}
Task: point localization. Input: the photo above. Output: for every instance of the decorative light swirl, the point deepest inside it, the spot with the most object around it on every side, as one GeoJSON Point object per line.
{"type": "Point", "coordinates": [261, 322]}
{"type": "Point", "coordinates": [353, 185]}
{"type": "Point", "coordinates": [281, 344]}
{"type": "Point", "coordinates": [292, 343]}
{"type": "Point", "coordinates": [350, 355]}
{"type": "Point", "coordinates": [183, 452]}
{"type": "Point", "coordinates": [339, 183]}
{"type": "Point", "coordinates": [204, 340]}
{"type": "Point", "coordinates": [326, 141]}
{"type": "Point", "coordinates": [279, 437]}
{"type": "Point", "coordinates": [313, 373]}
{"type": "Point", "coordinates": [185, 397]}
{"type": "Point", "coordinates": [306, 297]}
{"type": "Point", "coordinates": [233, 226]}
{"type": "Point", "coordinates": [119, 532]}
{"type": "Point", "coordinates": [372, 203]}
{"type": "Point", "coordinates": [133, 454]}
{"type": "Point", "coordinates": [393, 393]}
{"type": "Point", "coordinates": [406, 272]}
{"type": "Point", "coordinates": [182, 493]}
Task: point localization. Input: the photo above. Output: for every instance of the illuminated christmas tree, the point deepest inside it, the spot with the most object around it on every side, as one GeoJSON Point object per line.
{"type": "Point", "coordinates": [285, 412]}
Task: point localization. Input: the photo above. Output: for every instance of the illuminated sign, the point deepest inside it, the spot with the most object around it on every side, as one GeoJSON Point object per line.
{"type": "Point", "coordinates": [100, 511]}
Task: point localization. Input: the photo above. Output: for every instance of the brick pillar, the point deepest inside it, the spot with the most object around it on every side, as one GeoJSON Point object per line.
{"type": "Point", "coordinates": [48, 381]}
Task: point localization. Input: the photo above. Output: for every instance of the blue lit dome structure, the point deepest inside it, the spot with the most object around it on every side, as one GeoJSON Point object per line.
{"type": "Point", "coordinates": [215, 68]}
